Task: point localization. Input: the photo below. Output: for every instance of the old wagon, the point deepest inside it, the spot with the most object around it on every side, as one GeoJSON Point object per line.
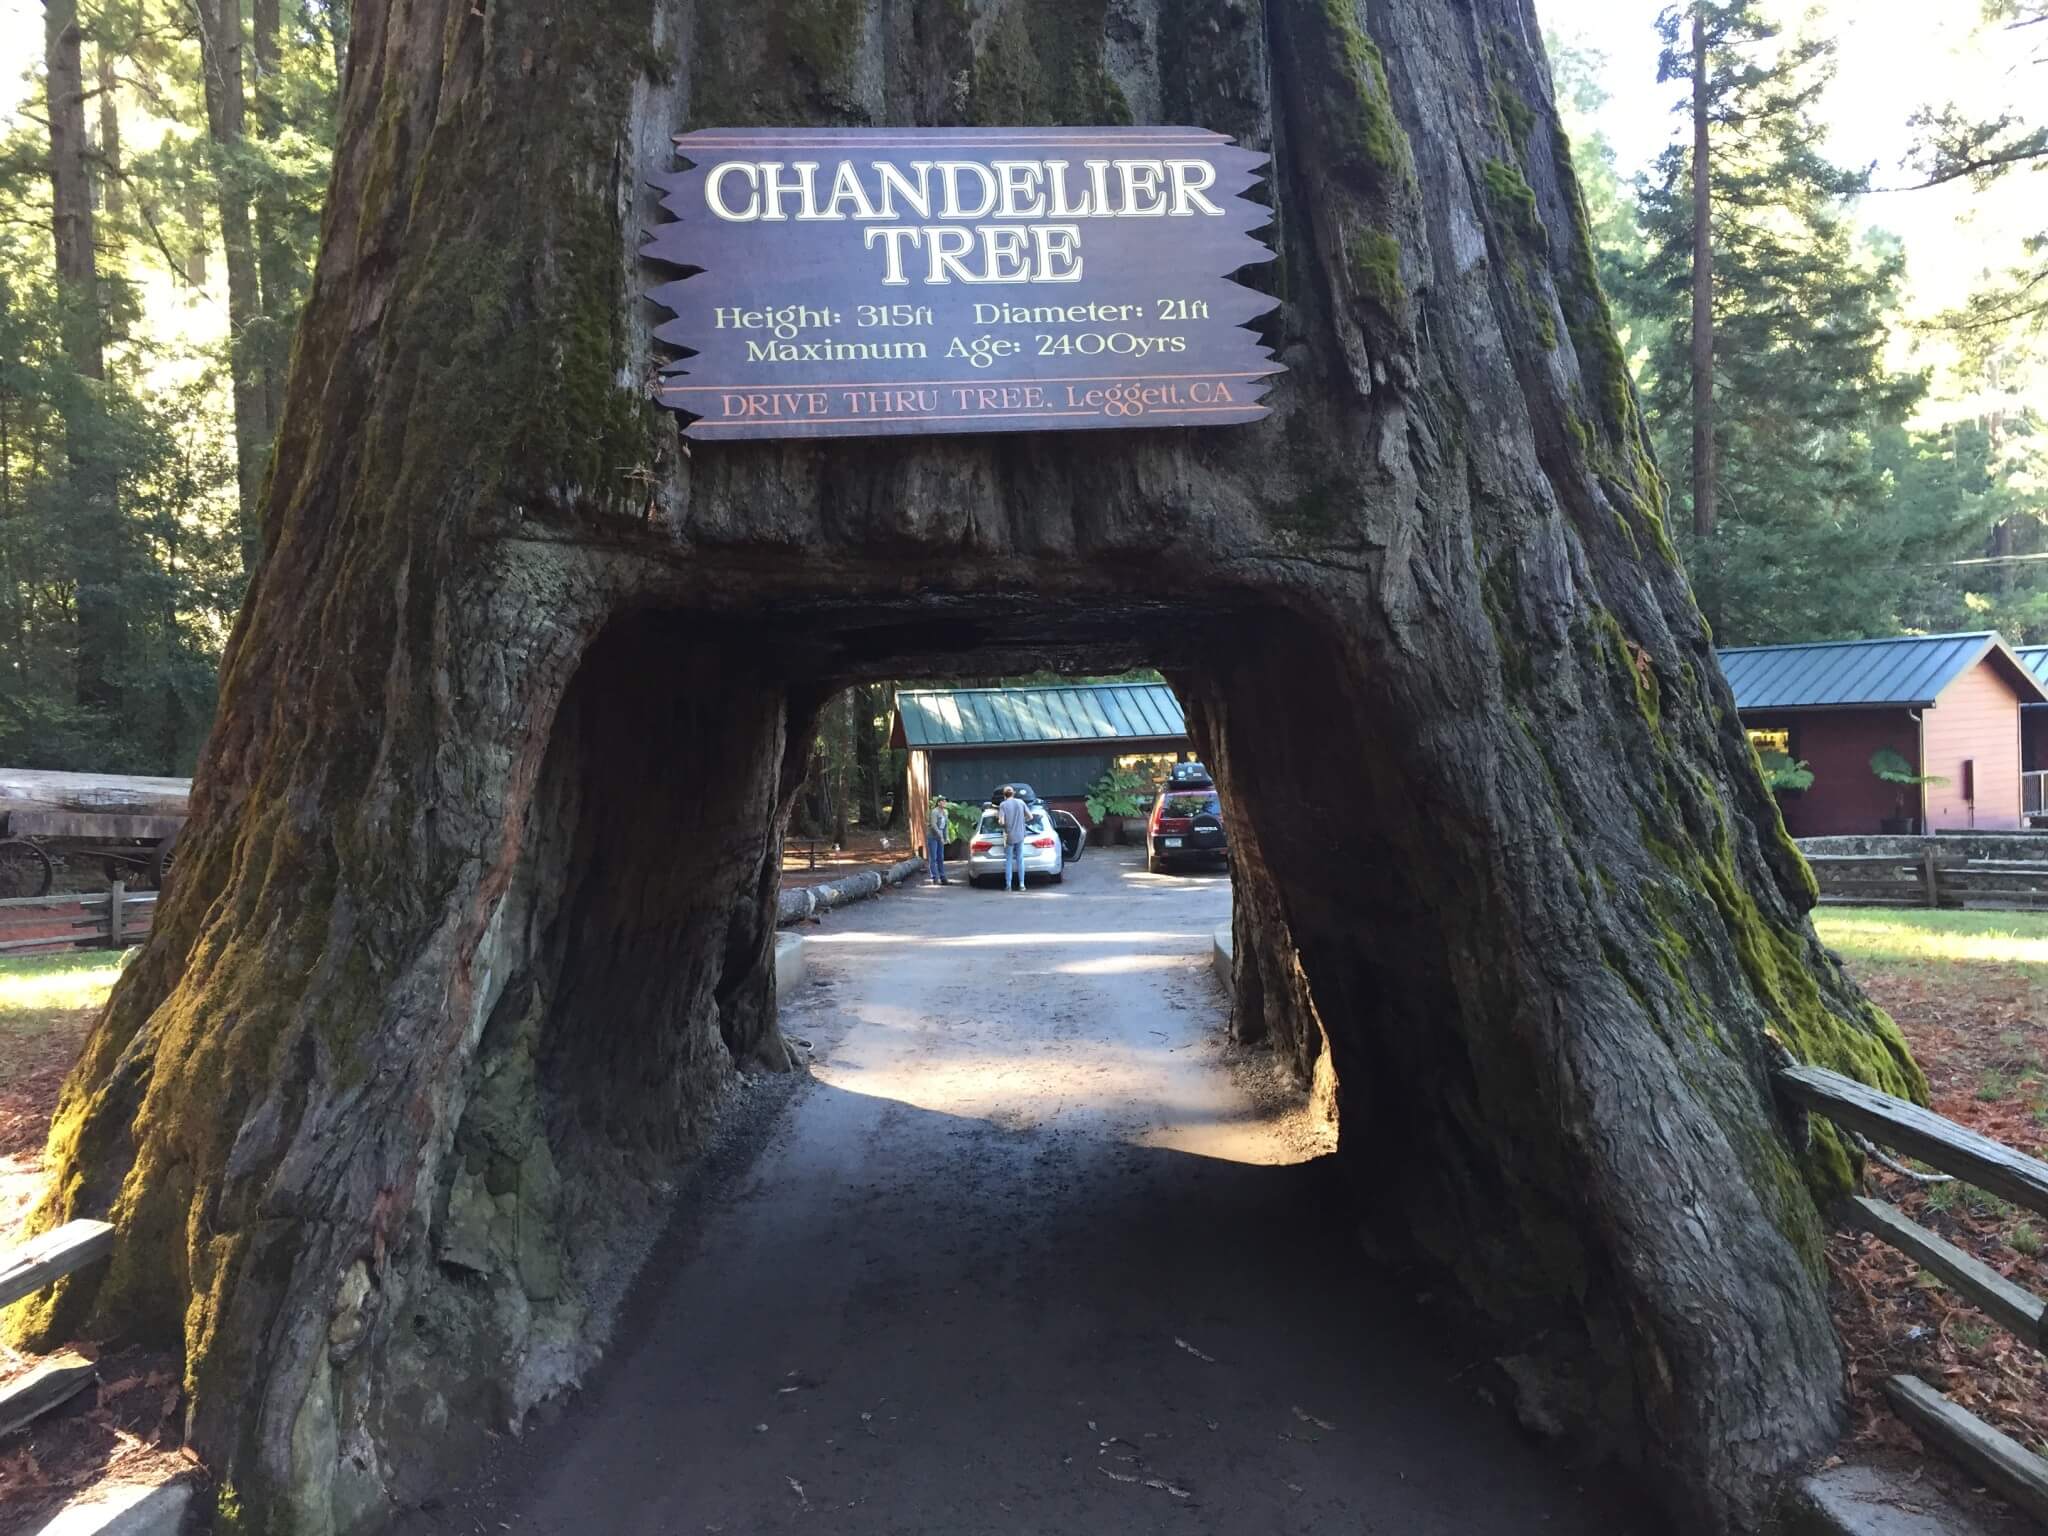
{"type": "Point", "coordinates": [120, 827]}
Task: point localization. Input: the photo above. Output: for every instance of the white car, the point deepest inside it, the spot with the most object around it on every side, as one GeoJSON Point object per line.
{"type": "Point", "coordinates": [1043, 853]}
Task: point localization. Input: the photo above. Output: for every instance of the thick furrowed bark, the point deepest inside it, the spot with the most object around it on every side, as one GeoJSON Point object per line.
{"type": "Point", "coordinates": [473, 915]}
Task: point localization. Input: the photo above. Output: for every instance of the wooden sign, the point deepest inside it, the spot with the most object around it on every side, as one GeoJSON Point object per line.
{"type": "Point", "coordinates": [852, 282]}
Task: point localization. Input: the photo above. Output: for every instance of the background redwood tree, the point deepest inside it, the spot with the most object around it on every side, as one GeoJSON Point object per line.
{"type": "Point", "coordinates": [471, 922]}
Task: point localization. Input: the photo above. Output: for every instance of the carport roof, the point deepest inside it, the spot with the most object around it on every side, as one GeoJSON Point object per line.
{"type": "Point", "coordinates": [935, 719]}
{"type": "Point", "coordinates": [1909, 672]}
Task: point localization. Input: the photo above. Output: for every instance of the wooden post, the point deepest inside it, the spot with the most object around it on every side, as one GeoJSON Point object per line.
{"type": "Point", "coordinates": [115, 896]}
{"type": "Point", "coordinates": [1929, 877]}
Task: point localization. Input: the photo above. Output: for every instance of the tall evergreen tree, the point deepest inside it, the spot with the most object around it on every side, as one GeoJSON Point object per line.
{"type": "Point", "coordinates": [1795, 377]}
{"type": "Point", "coordinates": [97, 536]}
{"type": "Point", "coordinates": [119, 574]}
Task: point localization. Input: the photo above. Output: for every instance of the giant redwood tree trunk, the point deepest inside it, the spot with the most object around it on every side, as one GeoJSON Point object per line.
{"type": "Point", "coordinates": [471, 921]}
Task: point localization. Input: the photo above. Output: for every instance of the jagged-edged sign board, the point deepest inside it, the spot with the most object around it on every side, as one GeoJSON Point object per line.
{"type": "Point", "coordinates": [851, 282]}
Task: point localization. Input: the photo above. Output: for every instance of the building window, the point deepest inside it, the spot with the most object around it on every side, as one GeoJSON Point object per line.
{"type": "Point", "coordinates": [1771, 741]}
{"type": "Point", "coordinates": [1154, 765]}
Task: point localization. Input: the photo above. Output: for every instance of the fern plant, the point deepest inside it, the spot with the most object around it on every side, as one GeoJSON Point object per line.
{"type": "Point", "coordinates": [1781, 773]}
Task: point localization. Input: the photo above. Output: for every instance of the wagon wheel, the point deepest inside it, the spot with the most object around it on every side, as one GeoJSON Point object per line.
{"type": "Point", "coordinates": [160, 861]}
{"type": "Point", "coordinates": [25, 870]}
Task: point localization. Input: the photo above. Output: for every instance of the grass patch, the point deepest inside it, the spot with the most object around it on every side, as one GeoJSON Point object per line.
{"type": "Point", "coordinates": [80, 979]}
{"type": "Point", "coordinates": [1911, 939]}
{"type": "Point", "coordinates": [39, 993]}
{"type": "Point", "coordinates": [1984, 1203]}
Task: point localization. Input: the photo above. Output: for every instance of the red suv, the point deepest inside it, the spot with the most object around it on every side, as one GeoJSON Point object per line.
{"type": "Point", "coordinates": [1187, 821]}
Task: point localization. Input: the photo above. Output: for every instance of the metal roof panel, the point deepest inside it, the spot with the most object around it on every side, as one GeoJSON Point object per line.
{"type": "Point", "coordinates": [938, 718]}
{"type": "Point", "coordinates": [1909, 671]}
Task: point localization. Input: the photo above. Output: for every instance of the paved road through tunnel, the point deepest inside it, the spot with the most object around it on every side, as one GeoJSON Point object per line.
{"type": "Point", "coordinates": [1028, 1256]}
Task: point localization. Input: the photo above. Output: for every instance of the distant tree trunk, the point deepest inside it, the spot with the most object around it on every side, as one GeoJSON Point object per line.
{"type": "Point", "coordinates": [473, 916]}
{"type": "Point", "coordinates": [194, 212]}
{"type": "Point", "coordinates": [276, 263]}
{"type": "Point", "coordinates": [2002, 534]}
{"type": "Point", "coordinates": [337, 41]}
{"type": "Point", "coordinates": [1703, 486]}
{"type": "Point", "coordinates": [96, 534]}
{"type": "Point", "coordinates": [843, 766]}
{"type": "Point", "coordinates": [71, 215]}
{"type": "Point", "coordinates": [896, 774]}
{"type": "Point", "coordinates": [868, 746]}
{"type": "Point", "coordinates": [110, 129]}
{"type": "Point", "coordinates": [220, 62]}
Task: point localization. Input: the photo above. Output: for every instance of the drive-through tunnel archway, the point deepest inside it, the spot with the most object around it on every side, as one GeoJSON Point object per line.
{"type": "Point", "coordinates": [473, 912]}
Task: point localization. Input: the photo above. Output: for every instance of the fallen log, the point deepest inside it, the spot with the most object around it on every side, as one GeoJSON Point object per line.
{"type": "Point", "coordinates": [92, 794]}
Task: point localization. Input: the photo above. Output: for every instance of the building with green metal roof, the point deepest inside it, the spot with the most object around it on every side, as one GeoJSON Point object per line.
{"type": "Point", "coordinates": [1059, 739]}
{"type": "Point", "coordinates": [1949, 705]}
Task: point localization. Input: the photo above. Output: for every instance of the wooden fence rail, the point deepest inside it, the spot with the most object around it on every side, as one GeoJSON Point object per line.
{"type": "Point", "coordinates": [2001, 1461]}
{"type": "Point", "coordinates": [1928, 879]}
{"type": "Point", "coordinates": [111, 919]}
{"type": "Point", "coordinates": [34, 1264]}
{"type": "Point", "coordinates": [25, 1270]}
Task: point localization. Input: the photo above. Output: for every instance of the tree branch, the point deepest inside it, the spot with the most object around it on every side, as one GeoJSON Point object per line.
{"type": "Point", "coordinates": [2035, 148]}
{"type": "Point", "coordinates": [156, 234]}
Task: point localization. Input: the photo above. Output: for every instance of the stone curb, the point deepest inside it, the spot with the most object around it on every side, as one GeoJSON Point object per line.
{"type": "Point", "coordinates": [1854, 1500]}
{"type": "Point", "coordinates": [140, 1509]}
{"type": "Point", "coordinates": [793, 906]}
{"type": "Point", "coordinates": [1222, 951]}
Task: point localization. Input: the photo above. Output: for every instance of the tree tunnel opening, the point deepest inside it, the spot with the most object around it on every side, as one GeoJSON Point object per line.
{"type": "Point", "coordinates": [635, 975]}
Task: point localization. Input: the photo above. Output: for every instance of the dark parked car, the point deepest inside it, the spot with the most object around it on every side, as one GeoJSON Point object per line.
{"type": "Point", "coordinates": [1186, 827]}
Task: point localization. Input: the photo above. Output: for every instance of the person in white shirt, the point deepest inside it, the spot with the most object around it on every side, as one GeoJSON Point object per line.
{"type": "Point", "coordinates": [1016, 819]}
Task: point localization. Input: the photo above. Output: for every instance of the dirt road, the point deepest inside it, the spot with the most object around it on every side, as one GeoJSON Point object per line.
{"type": "Point", "coordinates": [1028, 1258]}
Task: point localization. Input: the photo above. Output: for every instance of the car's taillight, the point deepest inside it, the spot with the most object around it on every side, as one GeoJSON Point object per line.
{"type": "Point", "coordinates": [981, 848]}
{"type": "Point", "coordinates": [1043, 842]}
{"type": "Point", "coordinates": [1173, 824]}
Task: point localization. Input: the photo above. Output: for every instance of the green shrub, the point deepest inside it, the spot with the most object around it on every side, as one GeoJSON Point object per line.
{"type": "Point", "coordinates": [1115, 794]}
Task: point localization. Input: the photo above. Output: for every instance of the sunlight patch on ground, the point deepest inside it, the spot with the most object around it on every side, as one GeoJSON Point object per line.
{"type": "Point", "coordinates": [1122, 965]}
{"type": "Point", "coordinates": [998, 940]}
{"type": "Point", "coordinates": [1166, 1095]}
{"type": "Point", "coordinates": [1135, 1100]}
{"type": "Point", "coordinates": [1935, 938]}
{"type": "Point", "coordinates": [45, 998]}
{"type": "Point", "coordinates": [56, 986]}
